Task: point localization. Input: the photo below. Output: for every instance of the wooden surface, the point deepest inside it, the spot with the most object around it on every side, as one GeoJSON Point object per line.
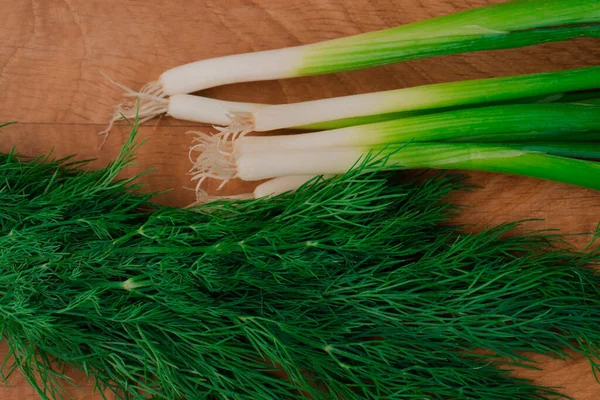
{"type": "Point", "coordinates": [52, 54]}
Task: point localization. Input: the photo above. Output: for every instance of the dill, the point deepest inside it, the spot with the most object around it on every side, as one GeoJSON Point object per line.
{"type": "Point", "coordinates": [357, 287]}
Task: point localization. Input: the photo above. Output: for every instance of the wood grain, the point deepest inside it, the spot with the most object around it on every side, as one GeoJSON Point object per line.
{"type": "Point", "coordinates": [52, 55]}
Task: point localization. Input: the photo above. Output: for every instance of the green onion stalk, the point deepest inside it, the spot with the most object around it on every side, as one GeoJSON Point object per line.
{"type": "Point", "coordinates": [356, 287]}
{"type": "Point", "coordinates": [540, 140]}
{"type": "Point", "coordinates": [580, 97]}
{"type": "Point", "coordinates": [525, 160]}
{"type": "Point", "coordinates": [460, 94]}
{"type": "Point", "coordinates": [512, 24]}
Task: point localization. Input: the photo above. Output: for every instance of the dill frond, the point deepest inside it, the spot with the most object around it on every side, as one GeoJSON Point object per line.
{"type": "Point", "coordinates": [356, 287]}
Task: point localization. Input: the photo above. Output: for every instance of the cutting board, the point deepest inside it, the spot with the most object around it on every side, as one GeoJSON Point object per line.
{"type": "Point", "coordinates": [53, 54]}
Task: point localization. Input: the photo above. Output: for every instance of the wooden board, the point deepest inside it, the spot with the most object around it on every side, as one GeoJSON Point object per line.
{"type": "Point", "coordinates": [52, 55]}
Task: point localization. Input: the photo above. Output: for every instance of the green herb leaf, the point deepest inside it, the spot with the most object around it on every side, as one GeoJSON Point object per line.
{"type": "Point", "coordinates": [354, 287]}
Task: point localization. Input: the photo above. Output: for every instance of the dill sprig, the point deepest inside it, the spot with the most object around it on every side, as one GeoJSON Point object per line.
{"type": "Point", "coordinates": [357, 287]}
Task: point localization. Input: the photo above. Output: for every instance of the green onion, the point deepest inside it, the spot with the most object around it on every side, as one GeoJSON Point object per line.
{"type": "Point", "coordinates": [501, 124]}
{"type": "Point", "coordinates": [511, 24]}
{"type": "Point", "coordinates": [453, 94]}
{"type": "Point", "coordinates": [219, 112]}
{"type": "Point", "coordinates": [583, 97]}
{"type": "Point", "coordinates": [272, 187]}
{"type": "Point", "coordinates": [536, 120]}
{"type": "Point", "coordinates": [510, 159]}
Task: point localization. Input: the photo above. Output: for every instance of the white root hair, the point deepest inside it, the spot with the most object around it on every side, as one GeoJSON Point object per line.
{"type": "Point", "coordinates": [242, 123]}
{"type": "Point", "coordinates": [151, 102]}
{"type": "Point", "coordinates": [215, 159]}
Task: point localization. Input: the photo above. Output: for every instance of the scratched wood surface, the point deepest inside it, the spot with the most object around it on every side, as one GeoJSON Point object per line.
{"type": "Point", "coordinates": [52, 54]}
